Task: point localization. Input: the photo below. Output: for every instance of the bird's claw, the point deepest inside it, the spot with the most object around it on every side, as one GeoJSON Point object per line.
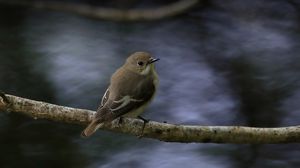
{"type": "Point", "coordinates": [145, 122]}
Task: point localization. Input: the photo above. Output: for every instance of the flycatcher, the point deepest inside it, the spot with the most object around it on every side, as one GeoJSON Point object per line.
{"type": "Point", "coordinates": [131, 89]}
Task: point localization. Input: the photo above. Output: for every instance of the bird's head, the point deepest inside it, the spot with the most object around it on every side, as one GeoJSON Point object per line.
{"type": "Point", "coordinates": [140, 62]}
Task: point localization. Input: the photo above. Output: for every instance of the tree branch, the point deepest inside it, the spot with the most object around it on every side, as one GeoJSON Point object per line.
{"type": "Point", "coordinates": [109, 13]}
{"type": "Point", "coordinates": [161, 131]}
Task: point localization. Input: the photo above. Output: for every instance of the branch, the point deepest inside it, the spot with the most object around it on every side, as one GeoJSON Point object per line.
{"type": "Point", "coordinates": [109, 13]}
{"type": "Point", "coordinates": [161, 131]}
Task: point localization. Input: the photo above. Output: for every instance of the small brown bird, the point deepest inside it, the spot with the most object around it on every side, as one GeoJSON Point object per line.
{"type": "Point", "coordinates": [131, 89]}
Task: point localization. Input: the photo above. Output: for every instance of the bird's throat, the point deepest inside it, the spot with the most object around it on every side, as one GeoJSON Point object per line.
{"type": "Point", "coordinates": [147, 70]}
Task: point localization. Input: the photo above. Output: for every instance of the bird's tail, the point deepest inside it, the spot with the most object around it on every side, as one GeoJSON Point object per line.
{"type": "Point", "coordinates": [91, 128]}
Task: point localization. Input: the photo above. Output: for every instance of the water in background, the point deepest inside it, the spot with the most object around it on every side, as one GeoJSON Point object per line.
{"type": "Point", "coordinates": [233, 63]}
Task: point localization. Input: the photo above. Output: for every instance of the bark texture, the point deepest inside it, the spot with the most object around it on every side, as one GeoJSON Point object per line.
{"type": "Point", "coordinates": [161, 131]}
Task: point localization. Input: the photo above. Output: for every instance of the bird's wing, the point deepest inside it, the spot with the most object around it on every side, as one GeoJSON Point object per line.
{"type": "Point", "coordinates": [127, 103]}
{"type": "Point", "coordinates": [105, 97]}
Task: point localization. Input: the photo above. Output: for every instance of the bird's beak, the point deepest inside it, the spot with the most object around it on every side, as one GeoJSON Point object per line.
{"type": "Point", "coordinates": [153, 60]}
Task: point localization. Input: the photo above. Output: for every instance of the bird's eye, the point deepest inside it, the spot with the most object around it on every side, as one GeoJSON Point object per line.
{"type": "Point", "coordinates": [140, 63]}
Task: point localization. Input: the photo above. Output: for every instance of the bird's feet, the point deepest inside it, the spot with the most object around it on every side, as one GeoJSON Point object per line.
{"type": "Point", "coordinates": [145, 122]}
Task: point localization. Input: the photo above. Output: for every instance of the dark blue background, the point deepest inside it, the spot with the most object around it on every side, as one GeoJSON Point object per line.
{"type": "Point", "coordinates": [223, 63]}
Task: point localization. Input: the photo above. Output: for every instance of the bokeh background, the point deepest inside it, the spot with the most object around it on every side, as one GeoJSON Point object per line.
{"type": "Point", "coordinates": [222, 63]}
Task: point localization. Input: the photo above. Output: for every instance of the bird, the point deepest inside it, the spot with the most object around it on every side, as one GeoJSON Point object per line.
{"type": "Point", "coordinates": [131, 89]}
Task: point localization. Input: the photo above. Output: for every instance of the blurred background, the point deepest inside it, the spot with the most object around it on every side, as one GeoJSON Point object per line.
{"type": "Point", "coordinates": [222, 63]}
